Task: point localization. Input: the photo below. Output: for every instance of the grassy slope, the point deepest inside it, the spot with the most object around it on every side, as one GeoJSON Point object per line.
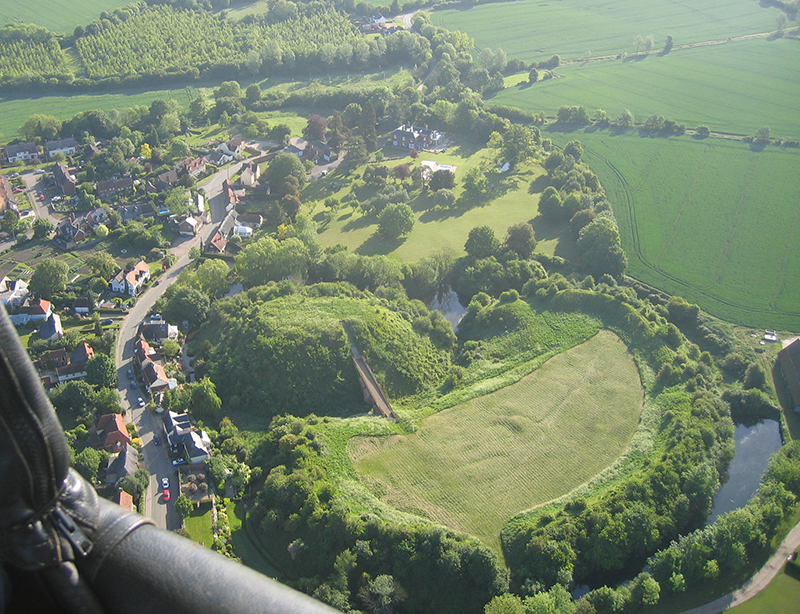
{"type": "Point", "coordinates": [709, 220]}
{"type": "Point", "coordinates": [474, 466]}
{"type": "Point", "coordinates": [532, 30]}
{"type": "Point", "coordinates": [59, 16]}
{"type": "Point", "coordinates": [511, 203]}
{"type": "Point", "coordinates": [737, 87]}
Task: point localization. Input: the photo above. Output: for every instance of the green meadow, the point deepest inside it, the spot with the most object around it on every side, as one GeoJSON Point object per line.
{"type": "Point", "coordinates": [508, 202]}
{"type": "Point", "coordinates": [475, 465]}
{"type": "Point", "coordinates": [736, 87]}
{"type": "Point", "coordinates": [710, 220]}
{"type": "Point", "coordinates": [535, 30]}
{"type": "Point", "coordinates": [59, 16]}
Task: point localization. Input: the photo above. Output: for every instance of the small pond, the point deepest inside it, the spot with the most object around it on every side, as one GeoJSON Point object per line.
{"type": "Point", "coordinates": [446, 302]}
{"type": "Point", "coordinates": [756, 442]}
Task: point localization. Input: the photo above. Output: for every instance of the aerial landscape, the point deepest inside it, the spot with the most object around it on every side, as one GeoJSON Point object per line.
{"type": "Point", "coordinates": [465, 306]}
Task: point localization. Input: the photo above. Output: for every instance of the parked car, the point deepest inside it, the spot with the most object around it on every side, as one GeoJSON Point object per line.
{"type": "Point", "coordinates": [140, 401]}
{"type": "Point", "coordinates": [107, 322]}
{"type": "Point", "coordinates": [155, 316]}
{"type": "Point", "coordinates": [165, 483]}
{"type": "Point", "coordinates": [133, 385]}
{"type": "Point", "coordinates": [39, 171]}
{"type": "Point", "coordinates": [157, 440]}
{"type": "Point", "coordinates": [179, 461]}
{"type": "Point", "coordinates": [166, 494]}
{"type": "Point", "coordinates": [130, 374]}
{"type": "Point", "coordinates": [17, 190]}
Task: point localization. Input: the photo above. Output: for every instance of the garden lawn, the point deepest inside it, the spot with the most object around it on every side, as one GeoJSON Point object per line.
{"type": "Point", "coordinates": [709, 220]}
{"type": "Point", "coordinates": [532, 30]}
{"type": "Point", "coordinates": [737, 87]}
{"type": "Point", "coordinates": [198, 525]}
{"type": "Point", "coordinates": [508, 203]}
{"type": "Point", "coordinates": [59, 16]}
{"type": "Point", "coordinates": [475, 465]}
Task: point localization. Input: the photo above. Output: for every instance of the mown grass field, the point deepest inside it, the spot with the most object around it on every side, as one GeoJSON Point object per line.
{"type": "Point", "coordinates": [709, 220]}
{"type": "Point", "coordinates": [475, 465]}
{"type": "Point", "coordinates": [533, 30]}
{"type": "Point", "coordinates": [508, 202]}
{"type": "Point", "coordinates": [737, 87]}
{"type": "Point", "coordinates": [59, 16]}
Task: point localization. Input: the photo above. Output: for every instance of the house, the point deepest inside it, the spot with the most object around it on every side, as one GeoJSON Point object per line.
{"type": "Point", "coordinates": [217, 243]}
{"type": "Point", "coordinates": [66, 146]}
{"type": "Point", "coordinates": [70, 372]}
{"type": "Point", "coordinates": [413, 137]}
{"type": "Point", "coordinates": [217, 158]}
{"type": "Point", "coordinates": [8, 199]}
{"type": "Point", "coordinates": [31, 311]}
{"type": "Point", "coordinates": [125, 462]}
{"type": "Point", "coordinates": [22, 152]}
{"type": "Point", "coordinates": [97, 217]}
{"type": "Point", "coordinates": [294, 149]}
{"type": "Point", "coordinates": [232, 147]}
{"type": "Point", "coordinates": [183, 437]}
{"type": "Point", "coordinates": [254, 220]}
{"type": "Point", "coordinates": [50, 329]}
{"type": "Point", "coordinates": [82, 354]}
{"type": "Point", "coordinates": [13, 293]}
{"type": "Point", "coordinates": [82, 305]}
{"type": "Point", "coordinates": [192, 167]}
{"type": "Point", "coordinates": [90, 151]}
{"type": "Point", "coordinates": [129, 282]}
{"type": "Point", "coordinates": [110, 433]}
{"type": "Point", "coordinates": [250, 174]}
{"type": "Point", "coordinates": [789, 361]}
{"type": "Point", "coordinates": [54, 359]}
{"type": "Point", "coordinates": [124, 500]}
{"type": "Point", "coordinates": [320, 153]}
{"type": "Point", "coordinates": [111, 189]}
{"type": "Point", "coordinates": [157, 330]}
{"type": "Point", "coordinates": [155, 377]}
{"type": "Point", "coordinates": [243, 231]}
{"type": "Point", "coordinates": [64, 179]}
{"type": "Point", "coordinates": [189, 226]}
{"type": "Point", "coordinates": [72, 229]}
{"type": "Point", "coordinates": [166, 180]}
{"type": "Point", "coordinates": [143, 351]}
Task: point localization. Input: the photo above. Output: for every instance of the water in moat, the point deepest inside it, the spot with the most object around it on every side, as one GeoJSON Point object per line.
{"type": "Point", "coordinates": [756, 442]}
{"type": "Point", "coordinates": [446, 302]}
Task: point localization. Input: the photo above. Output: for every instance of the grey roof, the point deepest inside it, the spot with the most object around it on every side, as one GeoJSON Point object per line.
{"type": "Point", "coordinates": [125, 463]}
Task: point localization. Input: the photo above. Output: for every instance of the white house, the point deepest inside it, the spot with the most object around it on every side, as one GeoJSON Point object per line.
{"type": "Point", "coordinates": [130, 282]}
{"type": "Point", "coordinates": [22, 152]}
{"type": "Point", "coordinates": [66, 146]}
{"type": "Point", "coordinates": [13, 293]}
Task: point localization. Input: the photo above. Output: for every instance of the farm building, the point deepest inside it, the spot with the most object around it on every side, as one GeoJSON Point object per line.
{"type": "Point", "coordinates": [789, 360]}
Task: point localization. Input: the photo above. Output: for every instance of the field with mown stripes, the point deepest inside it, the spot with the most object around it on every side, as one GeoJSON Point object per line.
{"type": "Point", "coordinates": [475, 465]}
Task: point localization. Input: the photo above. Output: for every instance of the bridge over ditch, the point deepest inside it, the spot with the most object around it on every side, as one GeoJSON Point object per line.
{"type": "Point", "coordinates": [373, 393]}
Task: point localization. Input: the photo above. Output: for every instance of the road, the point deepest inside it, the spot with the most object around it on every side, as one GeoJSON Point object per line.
{"type": "Point", "coordinates": [758, 582]}
{"type": "Point", "coordinates": [35, 185]}
{"type": "Point", "coordinates": [156, 458]}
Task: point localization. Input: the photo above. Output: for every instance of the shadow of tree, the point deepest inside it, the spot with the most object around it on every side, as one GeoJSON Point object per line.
{"type": "Point", "coordinates": [377, 245]}
{"type": "Point", "coordinates": [360, 222]}
{"type": "Point", "coordinates": [539, 184]}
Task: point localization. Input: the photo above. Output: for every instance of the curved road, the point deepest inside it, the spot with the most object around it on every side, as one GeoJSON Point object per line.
{"type": "Point", "coordinates": [758, 582]}
{"type": "Point", "coordinates": [156, 459]}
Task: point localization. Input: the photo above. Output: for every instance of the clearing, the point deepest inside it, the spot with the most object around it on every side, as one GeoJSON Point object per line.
{"type": "Point", "coordinates": [475, 465]}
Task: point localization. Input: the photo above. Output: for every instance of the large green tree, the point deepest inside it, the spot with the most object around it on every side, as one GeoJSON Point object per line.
{"type": "Point", "coordinates": [212, 277]}
{"type": "Point", "coordinates": [102, 264]}
{"type": "Point", "coordinates": [282, 166]}
{"type": "Point", "coordinates": [49, 278]}
{"type": "Point", "coordinates": [101, 371]}
{"type": "Point", "coordinates": [482, 242]}
{"type": "Point", "coordinates": [521, 239]}
{"type": "Point", "coordinates": [395, 221]}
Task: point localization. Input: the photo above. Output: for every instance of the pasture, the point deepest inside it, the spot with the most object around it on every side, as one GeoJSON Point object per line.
{"type": "Point", "coordinates": [736, 87]}
{"type": "Point", "coordinates": [533, 30]}
{"type": "Point", "coordinates": [59, 16]}
{"type": "Point", "coordinates": [709, 220]}
{"type": "Point", "coordinates": [508, 202]}
{"type": "Point", "coordinates": [477, 464]}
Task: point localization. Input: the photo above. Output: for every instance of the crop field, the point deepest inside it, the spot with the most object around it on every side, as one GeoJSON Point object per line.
{"type": "Point", "coordinates": [475, 465]}
{"type": "Point", "coordinates": [509, 203]}
{"type": "Point", "coordinates": [737, 87]}
{"type": "Point", "coordinates": [533, 30]}
{"type": "Point", "coordinates": [59, 16]}
{"type": "Point", "coordinates": [709, 220]}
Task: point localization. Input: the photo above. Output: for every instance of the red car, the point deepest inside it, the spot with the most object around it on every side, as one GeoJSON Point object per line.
{"type": "Point", "coordinates": [166, 494]}
{"type": "Point", "coordinates": [17, 190]}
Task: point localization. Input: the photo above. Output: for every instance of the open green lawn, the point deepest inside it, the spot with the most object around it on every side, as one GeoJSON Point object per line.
{"type": "Point", "coordinates": [198, 525]}
{"type": "Point", "coordinates": [509, 202]}
{"type": "Point", "coordinates": [535, 30]}
{"type": "Point", "coordinates": [709, 220]}
{"type": "Point", "coordinates": [475, 465]}
{"type": "Point", "coordinates": [782, 595]}
{"type": "Point", "coordinates": [59, 16]}
{"type": "Point", "coordinates": [737, 87]}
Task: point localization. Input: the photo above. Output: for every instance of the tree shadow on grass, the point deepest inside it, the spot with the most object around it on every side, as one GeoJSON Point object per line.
{"type": "Point", "coordinates": [359, 222]}
{"type": "Point", "coordinates": [564, 128]}
{"type": "Point", "coordinates": [539, 184]}
{"type": "Point", "coordinates": [377, 245]}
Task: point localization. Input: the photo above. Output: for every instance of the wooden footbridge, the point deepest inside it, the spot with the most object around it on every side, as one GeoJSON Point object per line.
{"type": "Point", "coordinates": [373, 394]}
